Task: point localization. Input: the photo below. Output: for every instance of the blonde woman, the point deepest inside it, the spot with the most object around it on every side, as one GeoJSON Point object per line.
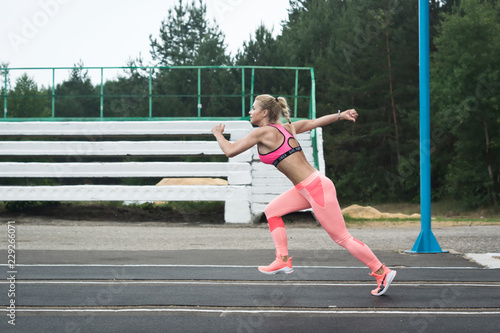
{"type": "Point", "coordinates": [277, 146]}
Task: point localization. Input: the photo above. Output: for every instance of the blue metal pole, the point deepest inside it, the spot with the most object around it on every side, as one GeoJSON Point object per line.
{"type": "Point", "coordinates": [426, 242]}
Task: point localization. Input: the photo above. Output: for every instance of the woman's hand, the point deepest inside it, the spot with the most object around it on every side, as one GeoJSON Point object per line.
{"type": "Point", "coordinates": [218, 129]}
{"type": "Point", "coordinates": [350, 114]}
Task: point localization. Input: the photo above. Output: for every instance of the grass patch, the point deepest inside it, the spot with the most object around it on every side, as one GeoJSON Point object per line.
{"type": "Point", "coordinates": [446, 210]}
{"type": "Point", "coordinates": [466, 219]}
{"type": "Point", "coordinates": [350, 219]}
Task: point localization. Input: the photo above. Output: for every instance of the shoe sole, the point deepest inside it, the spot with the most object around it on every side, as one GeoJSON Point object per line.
{"type": "Point", "coordinates": [390, 278]}
{"type": "Point", "coordinates": [285, 270]}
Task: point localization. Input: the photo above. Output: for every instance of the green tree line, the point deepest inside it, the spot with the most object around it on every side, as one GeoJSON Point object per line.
{"type": "Point", "coordinates": [365, 56]}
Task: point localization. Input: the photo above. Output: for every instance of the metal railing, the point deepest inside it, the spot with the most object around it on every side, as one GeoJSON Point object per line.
{"type": "Point", "coordinates": [248, 90]}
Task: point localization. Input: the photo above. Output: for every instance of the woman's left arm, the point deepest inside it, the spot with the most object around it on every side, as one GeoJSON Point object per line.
{"type": "Point", "coordinates": [232, 149]}
{"type": "Point", "coordinates": [302, 126]}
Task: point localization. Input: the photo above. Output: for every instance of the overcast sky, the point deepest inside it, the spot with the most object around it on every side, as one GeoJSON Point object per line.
{"type": "Point", "coordinates": [60, 33]}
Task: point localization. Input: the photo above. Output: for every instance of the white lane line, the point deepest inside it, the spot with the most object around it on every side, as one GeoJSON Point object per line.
{"type": "Point", "coordinates": [256, 283]}
{"type": "Point", "coordinates": [221, 266]}
{"type": "Point", "coordinates": [490, 260]}
{"type": "Point", "coordinates": [269, 311]}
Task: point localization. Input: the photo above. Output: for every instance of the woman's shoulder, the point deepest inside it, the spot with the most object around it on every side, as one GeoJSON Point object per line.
{"type": "Point", "coordinates": [262, 131]}
{"type": "Point", "coordinates": [280, 127]}
{"type": "Point", "coordinates": [290, 128]}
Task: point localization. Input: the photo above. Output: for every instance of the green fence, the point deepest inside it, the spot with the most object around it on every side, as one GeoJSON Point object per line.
{"type": "Point", "coordinates": [241, 85]}
{"type": "Point", "coordinates": [190, 87]}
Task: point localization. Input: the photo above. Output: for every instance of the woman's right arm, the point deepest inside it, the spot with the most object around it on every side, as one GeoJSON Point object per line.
{"type": "Point", "coordinates": [302, 126]}
{"type": "Point", "coordinates": [232, 149]}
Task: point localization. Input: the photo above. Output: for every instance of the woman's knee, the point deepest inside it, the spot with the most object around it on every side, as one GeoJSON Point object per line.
{"type": "Point", "coordinates": [274, 209]}
{"type": "Point", "coordinates": [341, 239]}
{"type": "Point", "coordinates": [269, 211]}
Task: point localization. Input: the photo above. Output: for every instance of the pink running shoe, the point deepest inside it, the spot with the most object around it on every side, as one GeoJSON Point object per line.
{"type": "Point", "coordinates": [278, 266]}
{"type": "Point", "coordinates": [383, 281]}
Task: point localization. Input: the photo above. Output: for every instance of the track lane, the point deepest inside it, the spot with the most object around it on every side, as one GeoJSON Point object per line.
{"type": "Point", "coordinates": [126, 296]}
{"type": "Point", "coordinates": [237, 293]}
{"type": "Point", "coordinates": [244, 272]}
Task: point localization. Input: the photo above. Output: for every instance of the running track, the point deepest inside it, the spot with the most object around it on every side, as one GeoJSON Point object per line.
{"type": "Point", "coordinates": [222, 291]}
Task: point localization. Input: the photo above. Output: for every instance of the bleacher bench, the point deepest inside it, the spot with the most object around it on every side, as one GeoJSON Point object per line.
{"type": "Point", "coordinates": [80, 149]}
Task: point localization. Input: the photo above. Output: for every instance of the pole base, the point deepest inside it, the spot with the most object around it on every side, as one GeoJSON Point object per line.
{"type": "Point", "coordinates": [426, 243]}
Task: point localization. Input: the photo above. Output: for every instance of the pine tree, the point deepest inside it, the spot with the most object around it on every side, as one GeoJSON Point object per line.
{"type": "Point", "coordinates": [187, 38]}
{"type": "Point", "coordinates": [27, 101]}
{"type": "Point", "coordinates": [465, 76]}
{"type": "Point", "coordinates": [349, 44]}
{"type": "Point", "coordinates": [77, 97]}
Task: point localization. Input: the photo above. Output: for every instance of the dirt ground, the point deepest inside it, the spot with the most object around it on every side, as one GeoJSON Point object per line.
{"type": "Point", "coordinates": [368, 212]}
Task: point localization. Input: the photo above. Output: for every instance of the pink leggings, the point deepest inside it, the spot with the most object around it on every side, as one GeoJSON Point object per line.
{"type": "Point", "coordinates": [316, 192]}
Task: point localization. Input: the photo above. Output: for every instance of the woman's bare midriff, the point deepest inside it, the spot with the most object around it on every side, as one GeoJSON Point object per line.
{"type": "Point", "coordinates": [296, 167]}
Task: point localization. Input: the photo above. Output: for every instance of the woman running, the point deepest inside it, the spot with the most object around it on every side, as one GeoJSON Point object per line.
{"type": "Point", "coordinates": [277, 146]}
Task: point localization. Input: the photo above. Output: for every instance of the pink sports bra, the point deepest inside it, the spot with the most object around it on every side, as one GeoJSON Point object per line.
{"type": "Point", "coordinates": [283, 151]}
